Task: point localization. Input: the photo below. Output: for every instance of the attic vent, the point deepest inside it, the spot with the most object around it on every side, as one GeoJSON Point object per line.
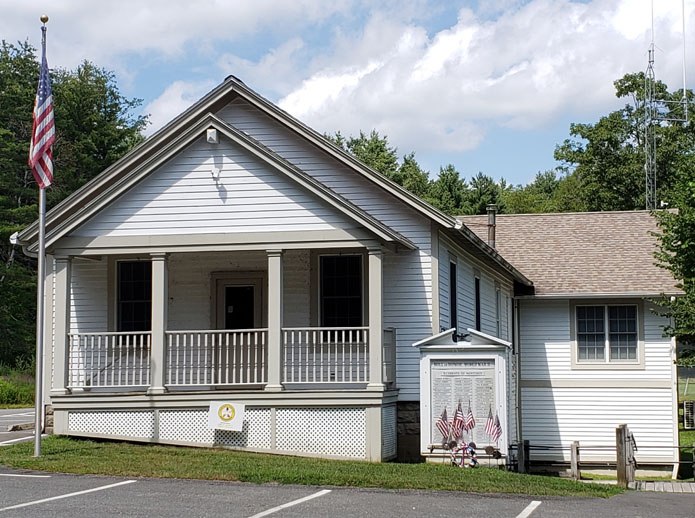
{"type": "Point", "coordinates": [689, 415]}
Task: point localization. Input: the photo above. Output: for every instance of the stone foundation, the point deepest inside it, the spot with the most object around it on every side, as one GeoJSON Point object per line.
{"type": "Point", "coordinates": [409, 432]}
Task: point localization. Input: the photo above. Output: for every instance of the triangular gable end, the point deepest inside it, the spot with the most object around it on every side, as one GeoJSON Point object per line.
{"type": "Point", "coordinates": [214, 188]}
{"type": "Point", "coordinates": [130, 178]}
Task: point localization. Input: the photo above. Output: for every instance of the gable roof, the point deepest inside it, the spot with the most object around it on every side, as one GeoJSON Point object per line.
{"type": "Point", "coordinates": [91, 196]}
{"type": "Point", "coordinates": [583, 253]}
{"type": "Point", "coordinates": [96, 195]}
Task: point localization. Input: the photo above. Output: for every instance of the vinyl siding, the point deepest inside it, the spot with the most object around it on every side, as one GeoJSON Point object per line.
{"type": "Point", "coordinates": [466, 273]}
{"type": "Point", "coordinates": [588, 412]}
{"type": "Point", "coordinates": [183, 196]}
{"type": "Point", "coordinates": [556, 417]}
{"type": "Point", "coordinates": [407, 275]}
{"type": "Point", "coordinates": [190, 285]}
{"type": "Point", "coordinates": [88, 302]}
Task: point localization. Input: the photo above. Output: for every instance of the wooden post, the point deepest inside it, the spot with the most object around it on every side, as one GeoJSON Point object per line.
{"type": "Point", "coordinates": [523, 459]}
{"type": "Point", "coordinates": [574, 459]}
{"type": "Point", "coordinates": [621, 456]}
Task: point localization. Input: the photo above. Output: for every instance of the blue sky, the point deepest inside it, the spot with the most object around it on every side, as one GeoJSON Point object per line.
{"type": "Point", "coordinates": [488, 86]}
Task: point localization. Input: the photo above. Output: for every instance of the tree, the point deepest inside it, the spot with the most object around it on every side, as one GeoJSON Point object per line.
{"type": "Point", "coordinates": [676, 253]}
{"type": "Point", "coordinates": [375, 151]}
{"type": "Point", "coordinates": [448, 191]}
{"type": "Point", "coordinates": [411, 176]}
{"type": "Point", "coordinates": [608, 157]}
{"type": "Point", "coordinates": [95, 125]}
{"type": "Point", "coordinates": [483, 192]}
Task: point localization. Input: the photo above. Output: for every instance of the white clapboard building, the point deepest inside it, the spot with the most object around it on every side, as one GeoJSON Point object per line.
{"type": "Point", "coordinates": [237, 257]}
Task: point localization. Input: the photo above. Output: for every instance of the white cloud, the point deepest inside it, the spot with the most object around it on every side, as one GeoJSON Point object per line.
{"type": "Point", "coordinates": [175, 99]}
{"type": "Point", "coordinates": [105, 32]}
{"type": "Point", "coordinates": [523, 69]}
{"type": "Point", "coordinates": [356, 64]}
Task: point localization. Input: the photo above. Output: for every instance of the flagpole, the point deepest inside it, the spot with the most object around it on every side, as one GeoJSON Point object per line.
{"type": "Point", "coordinates": [40, 302]}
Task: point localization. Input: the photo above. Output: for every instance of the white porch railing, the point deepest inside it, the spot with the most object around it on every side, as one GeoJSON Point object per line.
{"type": "Point", "coordinates": [217, 357]}
{"type": "Point", "coordinates": [325, 355]}
{"type": "Point", "coordinates": [109, 359]}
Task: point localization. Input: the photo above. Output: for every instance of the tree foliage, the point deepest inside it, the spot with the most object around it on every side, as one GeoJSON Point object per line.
{"type": "Point", "coordinates": [608, 157]}
{"type": "Point", "coordinates": [95, 126]}
{"type": "Point", "coordinates": [676, 253]}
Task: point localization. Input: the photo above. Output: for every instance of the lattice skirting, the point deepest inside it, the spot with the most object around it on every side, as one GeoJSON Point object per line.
{"type": "Point", "coordinates": [315, 431]}
{"type": "Point", "coordinates": [139, 425]}
{"type": "Point", "coordinates": [338, 432]}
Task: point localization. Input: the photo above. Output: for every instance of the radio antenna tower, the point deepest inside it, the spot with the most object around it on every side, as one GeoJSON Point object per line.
{"type": "Point", "coordinates": [657, 111]}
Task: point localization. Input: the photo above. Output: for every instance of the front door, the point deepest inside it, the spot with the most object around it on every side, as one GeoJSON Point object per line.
{"type": "Point", "coordinates": [239, 307]}
{"type": "Point", "coordinates": [239, 354]}
{"type": "Point", "coordinates": [239, 303]}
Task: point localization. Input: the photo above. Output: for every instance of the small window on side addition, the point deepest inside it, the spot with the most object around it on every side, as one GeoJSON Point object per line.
{"type": "Point", "coordinates": [607, 334]}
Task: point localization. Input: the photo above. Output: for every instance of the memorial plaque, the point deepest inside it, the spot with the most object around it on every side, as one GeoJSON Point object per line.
{"type": "Point", "coordinates": [463, 380]}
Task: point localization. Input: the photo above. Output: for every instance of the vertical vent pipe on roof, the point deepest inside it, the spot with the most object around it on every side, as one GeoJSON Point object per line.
{"type": "Point", "coordinates": [491, 224]}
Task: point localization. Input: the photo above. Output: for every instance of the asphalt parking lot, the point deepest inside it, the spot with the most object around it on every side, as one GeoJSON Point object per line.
{"type": "Point", "coordinates": [26, 493]}
{"type": "Point", "coordinates": [11, 416]}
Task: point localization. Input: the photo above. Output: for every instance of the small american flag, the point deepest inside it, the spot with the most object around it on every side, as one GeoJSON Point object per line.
{"type": "Point", "coordinates": [490, 424]}
{"type": "Point", "coordinates": [470, 420]}
{"type": "Point", "coordinates": [442, 425]}
{"type": "Point", "coordinates": [43, 134]}
{"type": "Point", "coordinates": [459, 422]}
{"type": "Point", "coordinates": [497, 432]}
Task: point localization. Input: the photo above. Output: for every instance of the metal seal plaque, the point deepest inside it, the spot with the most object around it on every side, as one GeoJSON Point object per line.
{"type": "Point", "coordinates": [225, 415]}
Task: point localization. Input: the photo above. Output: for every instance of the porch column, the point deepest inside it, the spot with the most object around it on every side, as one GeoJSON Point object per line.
{"type": "Point", "coordinates": [376, 333]}
{"type": "Point", "coordinates": [160, 305]}
{"type": "Point", "coordinates": [61, 348]}
{"type": "Point", "coordinates": [274, 321]}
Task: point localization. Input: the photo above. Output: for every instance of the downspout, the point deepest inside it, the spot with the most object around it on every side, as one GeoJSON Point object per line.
{"type": "Point", "coordinates": [517, 351]}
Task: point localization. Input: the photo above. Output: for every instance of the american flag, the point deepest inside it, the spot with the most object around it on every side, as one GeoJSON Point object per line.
{"type": "Point", "coordinates": [490, 424]}
{"type": "Point", "coordinates": [43, 134]}
{"type": "Point", "coordinates": [470, 420]}
{"type": "Point", "coordinates": [442, 425]}
{"type": "Point", "coordinates": [459, 422]}
{"type": "Point", "coordinates": [497, 432]}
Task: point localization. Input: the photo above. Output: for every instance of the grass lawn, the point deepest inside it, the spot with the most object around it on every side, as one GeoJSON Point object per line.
{"type": "Point", "coordinates": [66, 455]}
{"type": "Point", "coordinates": [686, 388]}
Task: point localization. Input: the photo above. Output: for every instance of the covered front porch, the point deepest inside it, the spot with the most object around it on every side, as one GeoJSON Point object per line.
{"type": "Point", "coordinates": [222, 320]}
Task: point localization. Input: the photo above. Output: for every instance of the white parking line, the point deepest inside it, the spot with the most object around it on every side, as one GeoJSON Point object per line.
{"type": "Point", "coordinates": [59, 497]}
{"type": "Point", "coordinates": [27, 438]}
{"type": "Point", "coordinates": [27, 476]}
{"type": "Point", "coordinates": [288, 504]}
{"type": "Point", "coordinates": [3, 416]}
{"type": "Point", "coordinates": [529, 509]}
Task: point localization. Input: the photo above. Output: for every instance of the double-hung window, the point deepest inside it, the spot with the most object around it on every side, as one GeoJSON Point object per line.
{"type": "Point", "coordinates": [341, 291]}
{"type": "Point", "coordinates": [607, 333]}
{"type": "Point", "coordinates": [134, 296]}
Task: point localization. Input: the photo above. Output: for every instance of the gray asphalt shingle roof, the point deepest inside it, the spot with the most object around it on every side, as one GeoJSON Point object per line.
{"type": "Point", "coordinates": [581, 253]}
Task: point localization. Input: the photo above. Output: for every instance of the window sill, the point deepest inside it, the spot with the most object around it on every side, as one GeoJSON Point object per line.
{"type": "Point", "coordinates": [584, 365]}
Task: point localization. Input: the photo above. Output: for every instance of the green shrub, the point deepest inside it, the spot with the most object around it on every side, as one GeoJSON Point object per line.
{"type": "Point", "coordinates": [16, 388]}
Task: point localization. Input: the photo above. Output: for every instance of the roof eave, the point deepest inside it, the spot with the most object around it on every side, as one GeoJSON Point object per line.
{"type": "Point", "coordinates": [481, 245]}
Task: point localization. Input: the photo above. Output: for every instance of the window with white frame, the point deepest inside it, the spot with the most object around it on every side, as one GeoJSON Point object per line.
{"type": "Point", "coordinates": [607, 333]}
